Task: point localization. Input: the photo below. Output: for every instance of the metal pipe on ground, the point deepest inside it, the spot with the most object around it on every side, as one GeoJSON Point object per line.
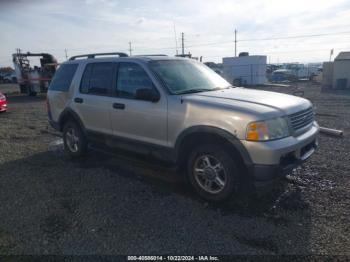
{"type": "Point", "coordinates": [277, 85]}
{"type": "Point", "coordinates": [330, 131]}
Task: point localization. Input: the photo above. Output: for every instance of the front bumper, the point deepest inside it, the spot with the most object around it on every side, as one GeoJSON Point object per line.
{"type": "Point", "coordinates": [273, 159]}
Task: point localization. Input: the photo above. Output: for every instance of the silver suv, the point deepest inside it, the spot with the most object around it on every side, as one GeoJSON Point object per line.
{"type": "Point", "coordinates": [184, 113]}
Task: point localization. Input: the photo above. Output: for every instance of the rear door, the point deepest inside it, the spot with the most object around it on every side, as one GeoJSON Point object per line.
{"type": "Point", "coordinates": [94, 100]}
{"type": "Point", "coordinates": [141, 121]}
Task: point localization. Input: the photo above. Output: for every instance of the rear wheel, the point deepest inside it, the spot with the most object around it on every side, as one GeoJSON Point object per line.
{"type": "Point", "coordinates": [31, 92]}
{"type": "Point", "coordinates": [75, 143]}
{"type": "Point", "coordinates": [23, 88]}
{"type": "Point", "coordinates": [212, 172]}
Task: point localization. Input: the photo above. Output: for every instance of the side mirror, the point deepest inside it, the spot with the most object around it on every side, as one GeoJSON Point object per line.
{"type": "Point", "coordinates": [147, 94]}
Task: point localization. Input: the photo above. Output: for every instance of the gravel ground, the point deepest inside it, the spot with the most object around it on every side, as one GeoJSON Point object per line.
{"type": "Point", "coordinates": [106, 204]}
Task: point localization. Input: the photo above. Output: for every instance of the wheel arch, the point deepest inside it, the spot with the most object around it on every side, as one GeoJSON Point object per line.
{"type": "Point", "coordinates": [69, 114]}
{"type": "Point", "coordinates": [198, 134]}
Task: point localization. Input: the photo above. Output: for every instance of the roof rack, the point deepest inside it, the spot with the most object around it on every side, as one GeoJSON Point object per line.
{"type": "Point", "coordinates": [152, 55]}
{"type": "Point", "coordinates": [97, 54]}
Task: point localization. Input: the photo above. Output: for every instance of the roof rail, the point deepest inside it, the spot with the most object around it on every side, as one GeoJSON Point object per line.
{"type": "Point", "coordinates": [152, 55]}
{"type": "Point", "coordinates": [97, 54]}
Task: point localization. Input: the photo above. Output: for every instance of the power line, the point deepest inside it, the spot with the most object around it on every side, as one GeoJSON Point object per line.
{"type": "Point", "coordinates": [212, 43]}
{"type": "Point", "coordinates": [302, 51]}
{"type": "Point", "coordinates": [295, 36]}
{"type": "Point", "coordinates": [220, 43]}
{"type": "Point", "coordinates": [292, 51]}
{"type": "Point", "coordinates": [269, 39]}
{"type": "Point", "coordinates": [217, 43]}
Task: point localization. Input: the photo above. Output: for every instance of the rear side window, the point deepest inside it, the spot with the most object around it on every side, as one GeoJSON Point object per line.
{"type": "Point", "coordinates": [63, 77]}
{"type": "Point", "coordinates": [98, 79]}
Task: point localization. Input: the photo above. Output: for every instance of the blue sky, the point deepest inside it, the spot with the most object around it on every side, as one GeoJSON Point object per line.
{"type": "Point", "coordinates": [84, 26]}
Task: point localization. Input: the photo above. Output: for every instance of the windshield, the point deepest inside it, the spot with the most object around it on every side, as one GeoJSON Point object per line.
{"type": "Point", "coordinates": [185, 76]}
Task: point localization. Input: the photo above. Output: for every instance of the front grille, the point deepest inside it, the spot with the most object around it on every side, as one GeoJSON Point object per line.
{"type": "Point", "coordinates": [302, 118]}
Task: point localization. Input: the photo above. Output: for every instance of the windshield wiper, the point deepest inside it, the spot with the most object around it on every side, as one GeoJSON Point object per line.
{"type": "Point", "coordinates": [197, 90]}
{"type": "Point", "coordinates": [221, 88]}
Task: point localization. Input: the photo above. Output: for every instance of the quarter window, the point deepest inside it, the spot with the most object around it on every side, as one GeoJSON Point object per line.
{"type": "Point", "coordinates": [98, 79]}
{"type": "Point", "coordinates": [131, 77]}
{"type": "Point", "coordinates": [63, 77]}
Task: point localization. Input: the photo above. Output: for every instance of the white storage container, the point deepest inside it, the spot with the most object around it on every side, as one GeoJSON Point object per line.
{"type": "Point", "coordinates": [247, 70]}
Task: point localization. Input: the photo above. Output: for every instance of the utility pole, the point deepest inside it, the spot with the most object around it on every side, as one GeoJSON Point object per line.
{"type": "Point", "coordinates": [235, 42]}
{"type": "Point", "coordinates": [130, 50]}
{"type": "Point", "coordinates": [182, 43]}
{"type": "Point", "coordinates": [330, 56]}
{"type": "Point", "coordinates": [65, 51]}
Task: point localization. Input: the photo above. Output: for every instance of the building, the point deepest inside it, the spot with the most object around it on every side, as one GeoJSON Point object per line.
{"type": "Point", "coordinates": [245, 69]}
{"type": "Point", "coordinates": [341, 71]}
{"type": "Point", "coordinates": [327, 75]}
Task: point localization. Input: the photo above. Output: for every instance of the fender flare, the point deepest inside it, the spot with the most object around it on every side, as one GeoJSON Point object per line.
{"type": "Point", "coordinates": [234, 141]}
{"type": "Point", "coordinates": [69, 112]}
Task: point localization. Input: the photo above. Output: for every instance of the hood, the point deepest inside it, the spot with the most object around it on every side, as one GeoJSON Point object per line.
{"type": "Point", "coordinates": [252, 100]}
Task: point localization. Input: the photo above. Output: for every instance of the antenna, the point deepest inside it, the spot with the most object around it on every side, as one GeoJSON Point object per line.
{"type": "Point", "coordinates": [130, 50]}
{"type": "Point", "coordinates": [182, 42]}
{"type": "Point", "coordinates": [175, 40]}
{"type": "Point", "coordinates": [235, 42]}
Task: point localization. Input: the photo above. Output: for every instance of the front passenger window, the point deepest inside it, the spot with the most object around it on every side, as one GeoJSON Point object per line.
{"type": "Point", "coordinates": [131, 77]}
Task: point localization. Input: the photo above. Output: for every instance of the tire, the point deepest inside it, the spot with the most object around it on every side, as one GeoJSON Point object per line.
{"type": "Point", "coordinates": [74, 140]}
{"type": "Point", "coordinates": [221, 165]}
{"type": "Point", "coordinates": [32, 93]}
{"type": "Point", "coordinates": [23, 89]}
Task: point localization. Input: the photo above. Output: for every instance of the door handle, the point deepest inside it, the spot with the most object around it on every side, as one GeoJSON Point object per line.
{"type": "Point", "coordinates": [118, 106]}
{"type": "Point", "coordinates": [78, 100]}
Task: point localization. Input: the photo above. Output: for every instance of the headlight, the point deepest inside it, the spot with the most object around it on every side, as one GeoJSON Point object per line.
{"type": "Point", "coordinates": [267, 130]}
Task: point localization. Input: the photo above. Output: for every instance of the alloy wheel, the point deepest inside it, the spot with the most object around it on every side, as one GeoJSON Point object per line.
{"type": "Point", "coordinates": [210, 174]}
{"type": "Point", "coordinates": [72, 140]}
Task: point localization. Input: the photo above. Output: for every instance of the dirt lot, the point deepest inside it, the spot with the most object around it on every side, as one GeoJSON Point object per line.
{"type": "Point", "coordinates": [107, 204]}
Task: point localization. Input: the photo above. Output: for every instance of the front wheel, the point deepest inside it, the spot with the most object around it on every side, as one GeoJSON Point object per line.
{"type": "Point", "coordinates": [212, 172]}
{"type": "Point", "coordinates": [75, 143]}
